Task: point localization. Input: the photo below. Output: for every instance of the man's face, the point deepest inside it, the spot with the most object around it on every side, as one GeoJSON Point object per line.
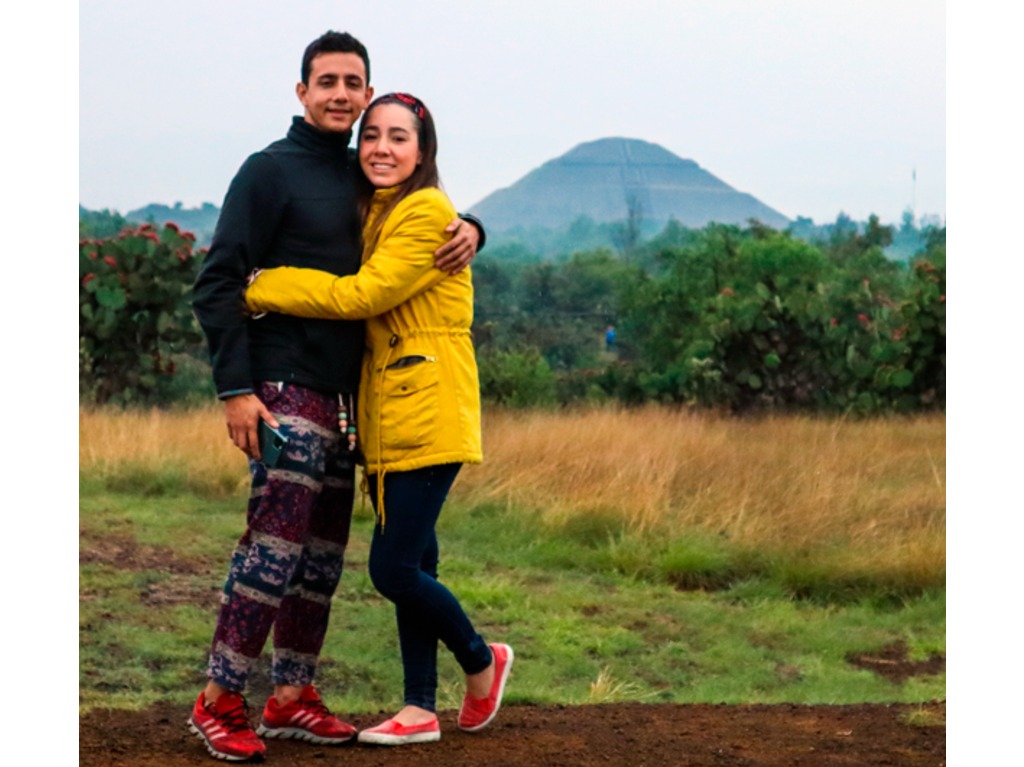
{"type": "Point", "coordinates": [337, 92]}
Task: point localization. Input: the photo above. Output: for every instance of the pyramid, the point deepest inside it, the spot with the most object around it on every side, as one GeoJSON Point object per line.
{"type": "Point", "coordinates": [600, 178]}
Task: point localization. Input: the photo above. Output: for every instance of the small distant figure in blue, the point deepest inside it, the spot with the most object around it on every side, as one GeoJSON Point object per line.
{"type": "Point", "coordinates": [609, 338]}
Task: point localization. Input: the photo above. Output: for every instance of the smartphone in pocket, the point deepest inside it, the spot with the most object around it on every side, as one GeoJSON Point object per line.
{"type": "Point", "coordinates": [272, 444]}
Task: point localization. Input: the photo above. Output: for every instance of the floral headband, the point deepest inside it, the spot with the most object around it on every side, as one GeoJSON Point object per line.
{"type": "Point", "coordinates": [414, 104]}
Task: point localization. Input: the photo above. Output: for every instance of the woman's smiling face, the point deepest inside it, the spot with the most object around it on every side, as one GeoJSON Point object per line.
{"type": "Point", "coordinates": [389, 146]}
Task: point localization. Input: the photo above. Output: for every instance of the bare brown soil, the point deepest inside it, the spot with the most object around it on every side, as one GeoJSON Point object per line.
{"type": "Point", "coordinates": [892, 663]}
{"type": "Point", "coordinates": [629, 734]}
{"type": "Point", "coordinates": [633, 734]}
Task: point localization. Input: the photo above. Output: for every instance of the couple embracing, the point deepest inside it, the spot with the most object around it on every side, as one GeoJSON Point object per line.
{"type": "Point", "coordinates": [353, 342]}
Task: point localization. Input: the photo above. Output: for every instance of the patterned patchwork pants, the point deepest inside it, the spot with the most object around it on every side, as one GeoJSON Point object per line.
{"type": "Point", "coordinates": [288, 562]}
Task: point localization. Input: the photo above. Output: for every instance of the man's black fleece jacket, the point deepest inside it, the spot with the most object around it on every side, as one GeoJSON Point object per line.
{"type": "Point", "coordinates": [292, 204]}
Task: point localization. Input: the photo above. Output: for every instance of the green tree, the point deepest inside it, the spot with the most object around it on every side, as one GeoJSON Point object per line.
{"type": "Point", "coordinates": [627, 233]}
{"type": "Point", "coordinates": [759, 319]}
{"type": "Point", "coordinates": [848, 242]}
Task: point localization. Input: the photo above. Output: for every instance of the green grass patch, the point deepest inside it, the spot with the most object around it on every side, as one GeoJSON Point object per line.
{"type": "Point", "coordinates": [595, 613]}
{"type": "Point", "coordinates": [168, 480]}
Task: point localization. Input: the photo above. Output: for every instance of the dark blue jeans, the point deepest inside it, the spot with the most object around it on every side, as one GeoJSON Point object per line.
{"type": "Point", "coordinates": [403, 568]}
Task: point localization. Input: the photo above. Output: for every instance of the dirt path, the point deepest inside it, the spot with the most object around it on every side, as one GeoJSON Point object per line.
{"type": "Point", "coordinates": [632, 735]}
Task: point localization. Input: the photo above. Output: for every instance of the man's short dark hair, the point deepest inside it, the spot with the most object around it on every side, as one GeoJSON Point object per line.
{"type": "Point", "coordinates": [333, 42]}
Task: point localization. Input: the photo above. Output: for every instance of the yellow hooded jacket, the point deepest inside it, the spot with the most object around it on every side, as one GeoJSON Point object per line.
{"type": "Point", "coordinates": [419, 395]}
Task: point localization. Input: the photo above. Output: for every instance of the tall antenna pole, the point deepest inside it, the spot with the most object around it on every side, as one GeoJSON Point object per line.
{"type": "Point", "coordinates": [913, 198]}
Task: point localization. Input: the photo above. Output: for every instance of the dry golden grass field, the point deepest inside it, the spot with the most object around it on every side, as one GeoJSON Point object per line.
{"type": "Point", "coordinates": [860, 495]}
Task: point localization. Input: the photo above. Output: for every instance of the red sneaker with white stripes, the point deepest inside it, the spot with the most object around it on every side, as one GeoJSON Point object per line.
{"type": "Point", "coordinates": [305, 718]}
{"type": "Point", "coordinates": [224, 726]}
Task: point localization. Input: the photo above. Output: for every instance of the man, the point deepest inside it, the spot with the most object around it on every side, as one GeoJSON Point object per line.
{"type": "Point", "coordinates": [291, 204]}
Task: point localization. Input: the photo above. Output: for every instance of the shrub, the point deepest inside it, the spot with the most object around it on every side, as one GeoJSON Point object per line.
{"type": "Point", "coordinates": [517, 379]}
{"type": "Point", "coordinates": [134, 311]}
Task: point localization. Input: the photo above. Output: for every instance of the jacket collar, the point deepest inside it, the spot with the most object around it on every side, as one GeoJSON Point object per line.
{"type": "Point", "coordinates": [385, 193]}
{"type": "Point", "coordinates": [333, 145]}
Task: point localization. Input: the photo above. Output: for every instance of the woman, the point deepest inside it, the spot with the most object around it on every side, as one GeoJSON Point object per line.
{"type": "Point", "coordinates": [419, 404]}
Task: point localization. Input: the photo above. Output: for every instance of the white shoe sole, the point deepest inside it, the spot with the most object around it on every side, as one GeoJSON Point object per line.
{"type": "Point", "coordinates": [297, 733]}
{"type": "Point", "coordinates": [218, 754]}
{"type": "Point", "coordinates": [383, 739]}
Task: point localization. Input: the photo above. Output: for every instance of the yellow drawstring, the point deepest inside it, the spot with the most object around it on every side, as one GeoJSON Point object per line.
{"type": "Point", "coordinates": [364, 490]}
{"type": "Point", "coordinates": [392, 342]}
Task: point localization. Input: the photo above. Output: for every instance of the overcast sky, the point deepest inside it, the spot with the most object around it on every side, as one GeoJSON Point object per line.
{"type": "Point", "coordinates": [812, 107]}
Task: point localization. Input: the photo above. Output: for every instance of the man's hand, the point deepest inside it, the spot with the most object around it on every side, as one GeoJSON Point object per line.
{"type": "Point", "coordinates": [455, 255]}
{"type": "Point", "coordinates": [243, 413]}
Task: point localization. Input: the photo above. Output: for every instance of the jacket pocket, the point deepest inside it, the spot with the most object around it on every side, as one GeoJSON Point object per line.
{"type": "Point", "coordinates": [409, 403]}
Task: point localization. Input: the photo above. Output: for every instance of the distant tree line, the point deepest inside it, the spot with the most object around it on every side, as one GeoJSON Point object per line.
{"type": "Point", "coordinates": [739, 318]}
{"type": "Point", "coordinates": [98, 224]}
{"type": "Point", "coordinates": [200, 221]}
{"type": "Point", "coordinates": [529, 242]}
{"type": "Point", "coordinates": [583, 234]}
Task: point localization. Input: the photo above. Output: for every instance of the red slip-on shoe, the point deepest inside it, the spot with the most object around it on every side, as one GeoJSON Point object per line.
{"type": "Point", "coordinates": [224, 727]}
{"type": "Point", "coordinates": [392, 733]}
{"type": "Point", "coordinates": [305, 718]}
{"type": "Point", "coordinates": [477, 713]}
